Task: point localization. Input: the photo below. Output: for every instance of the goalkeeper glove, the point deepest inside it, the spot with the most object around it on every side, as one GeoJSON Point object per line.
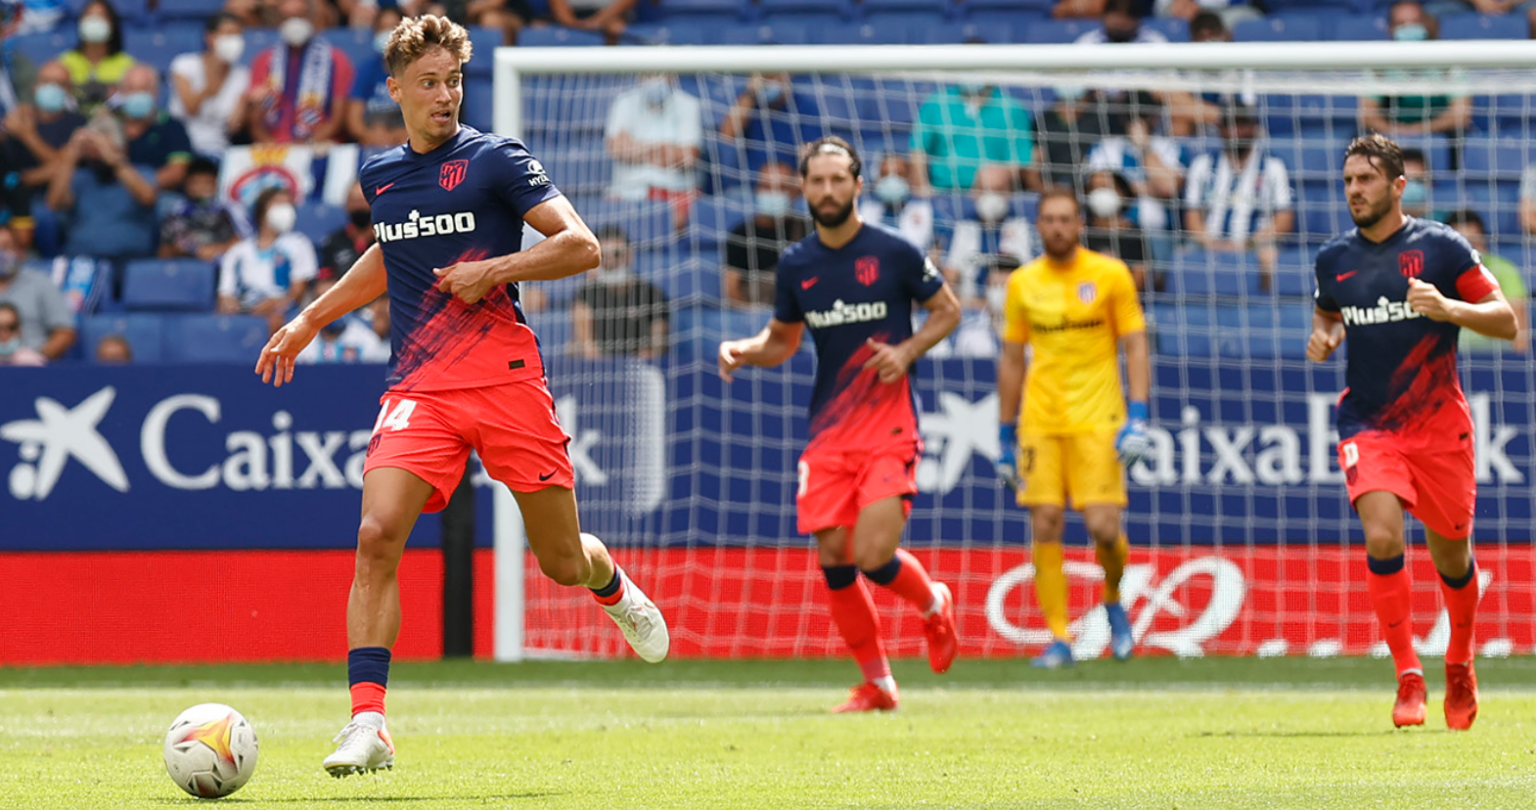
{"type": "Point", "coordinates": [1133, 443]}
{"type": "Point", "coordinates": [1008, 459]}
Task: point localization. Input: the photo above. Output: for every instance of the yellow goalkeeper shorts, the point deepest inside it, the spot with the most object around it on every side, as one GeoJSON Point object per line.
{"type": "Point", "coordinates": [1082, 466]}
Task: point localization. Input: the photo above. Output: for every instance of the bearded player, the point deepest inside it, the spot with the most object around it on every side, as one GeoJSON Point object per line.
{"type": "Point", "coordinates": [448, 208]}
{"type": "Point", "coordinates": [1075, 309]}
{"type": "Point", "coordinates": [854, 283]}
{"type": "Point", "coordinates": [1403, 288]}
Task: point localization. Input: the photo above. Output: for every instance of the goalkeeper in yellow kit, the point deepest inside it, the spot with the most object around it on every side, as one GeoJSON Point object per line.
{"type": "Point", "coordinates": [1074, 308]}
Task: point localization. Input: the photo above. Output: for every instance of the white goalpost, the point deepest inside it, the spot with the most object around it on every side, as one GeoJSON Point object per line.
{"type": "Point", "coordinates": [1243, 543]}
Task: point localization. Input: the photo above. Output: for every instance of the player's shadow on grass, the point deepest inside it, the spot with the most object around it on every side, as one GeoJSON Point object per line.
{"type": "Point", "coordinates": [189, 801]}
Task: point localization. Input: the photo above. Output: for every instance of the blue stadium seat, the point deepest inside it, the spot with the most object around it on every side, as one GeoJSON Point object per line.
{"type": "Point", "coordinates": [1293, 273]}
{"type": "Point", "coordinates": [1360, 28]}
{"type": "Point", "coordinates": [1184, 330]}
{"type": "Point", "coordinates": [1278, 29]}
{"type": "Point", "coordinates": [1478, 26]}
{"type": "Point", "coordinates": [485, 41]}
{"type": "Point", "coordinates": [43, 47]}
{"type": "Point", "coordinates": [127, 10]}
{"type": "Point", "coordinates": [1040, 8]}
{"type": "Point", "coordinates": [557, 37]}
{"type": "Point", "coordinates": [1198, 273]}
{"type": "Point", "coordinates": [1503, 158]}
{"type": "Point", "coordinates": [357, 44]}
{"type": "Point", "coordinates": [810, 11]}
{"type": "Point", "coordinates": [1175, 29]}
{"type": "Point", "coordinates": [995, 33]}
{"type": "Point", "coordinates": [256, 41]}
{"type": "Point", "coordinates": [169, 285]}
{"type": "Point", "coordinates": [213, 338]}
{"type": "Point", "coordinates": [876, 31]}
{"type": "Point", "coordinates": [479, 103]}
{"type": "Point", "coordinates": [1436, 149]}
{"type": "Point", "coordinates": [778, 32]}
{"type": "Point", "coordinates": [702, 10]}
{"type": "Point", "coordinates": [188, 9]}
{"type": "Point", "coordinates": [938, 8]}
{"type": "Point", "coordinates": [673, 32]}
{"type": "Point", "coordinates": [646, 223]}
{"type": "Point", "coordinates": [712, 219]}
{"type": "Point", "coordinates": [1048, 32]}
{"type": "Point", "coordinates": [1322, 221]}
{"type": "Point", "coordinates": [1285, 113]}
{"type": "Point", "coordinates": [318, 220]}
{"type": "Point", "coordinates": [142, 331]}
{"type": "Point", "coordinates": [159, 45]}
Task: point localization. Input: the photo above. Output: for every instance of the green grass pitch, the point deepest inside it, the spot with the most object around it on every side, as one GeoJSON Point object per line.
{"type": "Point", "coordinates": [1154, 733]}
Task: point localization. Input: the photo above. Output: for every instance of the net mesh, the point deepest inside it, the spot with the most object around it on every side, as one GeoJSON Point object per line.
{"type": "Point", "coordinates": [1242, 539]}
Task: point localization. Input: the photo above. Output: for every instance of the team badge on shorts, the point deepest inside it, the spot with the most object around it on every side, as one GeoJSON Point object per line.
{"type": "Point", "coordinates": [1087, 291]}
{"type": "Point", "coordinates": [867, 270]}
{"type": "Point", "coordinates": [452, 174]}
{"type": "Point", "coordinates": [1411, 263]}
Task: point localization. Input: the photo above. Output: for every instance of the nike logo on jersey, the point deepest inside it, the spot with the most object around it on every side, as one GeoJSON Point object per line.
{"type": "Point", "coordinates": [1345, 276]}
{"type": "Point", "coordinates": [382, 189]}
{"type": "Point", "coordinates": [809, 283]}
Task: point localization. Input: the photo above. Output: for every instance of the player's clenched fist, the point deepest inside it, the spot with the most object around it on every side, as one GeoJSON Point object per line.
{"type": "Point", "coordinates": [1322, 343]}
{"type": "Point", "coordinates": [730, 359]}
{"type": "Point", "coordinates": [1425, 299]}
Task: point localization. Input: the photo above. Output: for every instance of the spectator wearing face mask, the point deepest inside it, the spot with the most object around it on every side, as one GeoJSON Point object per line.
{"type": "Point", "coordinates": [753, 248]}
{"type": "Point", "coordinates": [1411, 114]}
{"type": "Point", "coordinates": [39, 131]}
{"type": "Point", "coordinates": [1122, 23]}
{"type": "Point", "coordinates": [373, 117]}
{"type": "Point", "coordinates": [961, 127]}
{"type": "Point", "coordinates": [654, 133]}
{"type": "Point", "coordinates": [770, 120]}
{"type": "Point", "coordinates": [344, 340]}
{"type": "Point", "coordinates": [268, 273]}
{"type": "Point", "coordinates": [995, 231]}
{"type": "Point", "coordinates": [299, 85]}
{"type": "Point", "coordinates": [155, 139]}
{"type": "Point", "coordinates": [108, 204]}
{"type": "Point", "coordinates": [618, 313]}
{"type": "Point", "coordinates": [1110, 231]}
{"type": "Point", "coordinates": [1153, 163]}
{"type": "Point", "coordinates": [892, 202]}
{"type": "Point", "coordinates": [1416, 189]}
{"type": "Point", "coordinates": [202, 225]}
{"type": "Point", "coordinates": [1240, 197]}
{"type": "Point", "coordinates": [343, 247]}
{"type": "Point", "coordinates": [209, 86]}
{"type": "Point", "coordinates": [98, 63]}
{"type": "Point", "coordinates": [42, 321]}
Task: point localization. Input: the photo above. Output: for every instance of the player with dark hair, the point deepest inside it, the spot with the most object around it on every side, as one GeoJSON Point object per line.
{"type": "Point", "coordinates": [1073, 434]}
{"type": "Point", "coordinates": [854, 283]}
{"type": "Point", "coordinates": [1403, 288]}
{"type": "Point", "coordinates": [466, 372]}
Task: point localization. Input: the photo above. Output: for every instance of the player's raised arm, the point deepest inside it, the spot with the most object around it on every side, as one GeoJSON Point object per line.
{"type": "Point", "coordinates": [1491, 315]}
{"type": "Point", "coordinates": [776, 343]}
{"type": "Point", "coordinates": [362, 283]}
{"type": "Point", "coordinates": [568, 248]}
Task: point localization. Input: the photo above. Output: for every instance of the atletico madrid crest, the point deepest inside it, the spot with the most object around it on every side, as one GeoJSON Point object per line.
{"type": "Point", "coordinates": [1411, 263]}
{"type": "Point", "coordinates": [452, 174]}
{"type": "Point", "coordinates": [867, 270]}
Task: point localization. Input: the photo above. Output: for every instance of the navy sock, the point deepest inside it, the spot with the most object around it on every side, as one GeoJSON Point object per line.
{"type": "Point", "coordinates": [1390, 565]}
{"type": "Point", "coordinates": [610, 589]}
{"type": "Point", "coordinates": [885, 574]}
{"type": "Point", "coordinates": [368, 665]}
{"type": "Point", "coordinates": [840, 576]}
{"type": "Point", "coordinates": [1461, 581]}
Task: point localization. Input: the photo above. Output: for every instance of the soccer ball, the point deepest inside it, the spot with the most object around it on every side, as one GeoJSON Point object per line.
{"type": "Point", "coordinates": [210, 750]}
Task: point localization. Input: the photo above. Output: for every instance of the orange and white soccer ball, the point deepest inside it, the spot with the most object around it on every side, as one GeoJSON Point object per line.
{"type": "Point", "coordinates": [210, 750]}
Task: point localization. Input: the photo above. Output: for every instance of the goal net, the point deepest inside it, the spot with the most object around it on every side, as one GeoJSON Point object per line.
{"type": "Point", "coordinates": [1223, 170]}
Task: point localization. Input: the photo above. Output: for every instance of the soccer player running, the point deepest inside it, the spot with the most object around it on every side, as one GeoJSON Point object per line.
{"type": "Point", "coordinates": [1403, 288]}
{"type": "Point", "coordinates": [854, 283]}
{"type": "Point", "coordinates": [1076, 309]}
{"type": "Point", "coordinates": [466, 372]}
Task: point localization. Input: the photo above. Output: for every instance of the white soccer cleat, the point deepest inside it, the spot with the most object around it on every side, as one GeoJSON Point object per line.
{"type": "Point", "coordinates": [363, 749]}
{"type": "Point", "coordinates": [641, 622]}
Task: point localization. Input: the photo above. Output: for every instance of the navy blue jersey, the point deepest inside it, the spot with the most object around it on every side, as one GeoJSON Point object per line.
{"type": "Point", "coordinates": [1401, 374]}
{"type": "Point", "coordinates": [863, 290]}
{"type": "Point", "coordinates": [463, 201]}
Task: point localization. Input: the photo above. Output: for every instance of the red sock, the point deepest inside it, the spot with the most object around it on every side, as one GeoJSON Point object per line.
{"type": "Point", "coordinates": [854, 614]}
{"type": "Point", "coordinates": [1391, 596]}
{"type": "Point", "coordinates": [367, 697]}
{"type": "Point", "coordinates": [909, 580]}
{"type": "Point", "coordinates": [1461, 607]}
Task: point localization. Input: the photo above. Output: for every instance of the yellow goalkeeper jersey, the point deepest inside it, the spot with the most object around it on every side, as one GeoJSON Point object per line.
{"type": "Point", "coordinates": [1072, 316]}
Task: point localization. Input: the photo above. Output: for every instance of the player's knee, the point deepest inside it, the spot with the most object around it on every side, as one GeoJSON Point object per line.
{"type": "Point", "coordinates": [1104, 529]}
{"type": "Point", "coordinates": [1383, 542]}
{"type": "Point", "coordinates": [378, 548]}
{"type": "Point", "coordinates": [1048, 522]}
{"type": "Point", "coordinates": [570, 570]}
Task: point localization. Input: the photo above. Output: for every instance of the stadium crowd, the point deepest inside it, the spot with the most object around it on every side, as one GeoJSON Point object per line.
{"type": "Point", "coordinates": [116, 145]}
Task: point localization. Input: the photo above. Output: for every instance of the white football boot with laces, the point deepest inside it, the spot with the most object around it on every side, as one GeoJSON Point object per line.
{"type": "Point", "coordinates": [640, 621]}
{"type": "Point", "coordinates": [364, 748]}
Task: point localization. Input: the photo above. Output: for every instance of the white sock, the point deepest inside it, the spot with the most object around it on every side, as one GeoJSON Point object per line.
{"type": "Point", "coordinates": [887, 684]}
{"type": "Point", "coordinates": [374, 719]}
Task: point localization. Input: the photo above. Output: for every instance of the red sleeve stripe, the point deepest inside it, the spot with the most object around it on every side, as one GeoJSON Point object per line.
{"type": "Point", "coordinates": [1476, 284]}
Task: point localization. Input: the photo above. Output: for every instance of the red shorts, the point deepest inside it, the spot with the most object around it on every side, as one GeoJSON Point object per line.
{"type": "Point", "coordinates": [1438, 484]}
{"type": "Point", "coordinates": [512, 426]}
{"type": "Point", "coordinates": [836, 485]}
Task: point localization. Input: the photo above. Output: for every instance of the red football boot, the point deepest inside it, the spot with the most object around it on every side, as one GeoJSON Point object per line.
{"type": "Point", "coordinates": [1460, 696]}
{"type": "Point", "coordinates": [939, 627]}
{"type": "Point", "coordinates": [1409, 709]}
{"type": "Point", "coordinates": [867, 697]}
